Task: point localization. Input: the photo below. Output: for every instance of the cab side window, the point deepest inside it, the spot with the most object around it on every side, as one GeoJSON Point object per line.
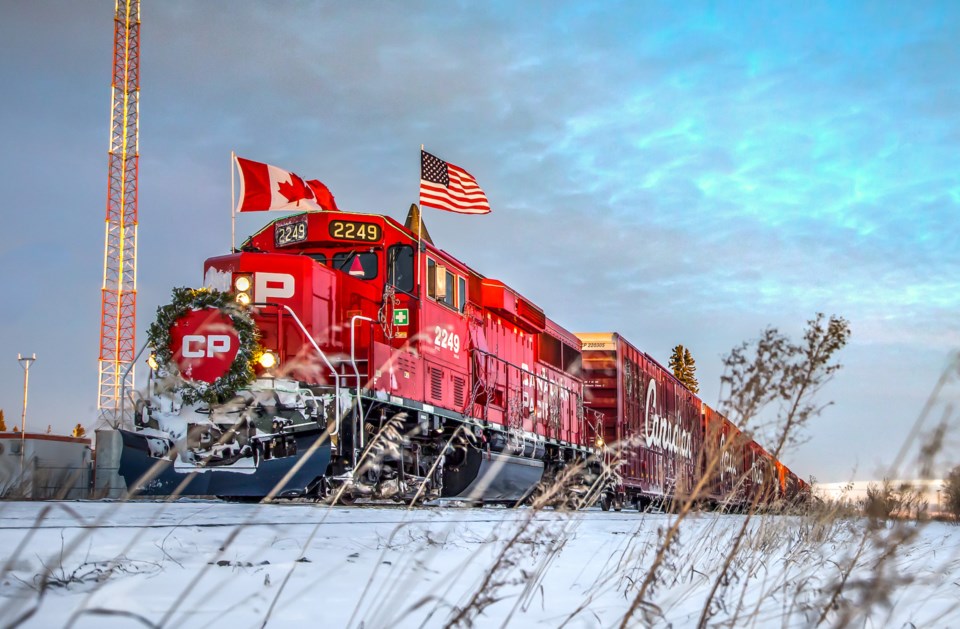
{"type": "Point", "coordinates": [431, 279]}
{"type": "Point", "coordinates": [400, 267]}
{"type": "Point", "coordinates": [450, 297]}
{"type": "Point", "coordinates": [445, 286]}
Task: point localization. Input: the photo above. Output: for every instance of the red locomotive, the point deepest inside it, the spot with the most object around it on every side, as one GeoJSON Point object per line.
{"type": "Point", "coordinates": [386, 368]}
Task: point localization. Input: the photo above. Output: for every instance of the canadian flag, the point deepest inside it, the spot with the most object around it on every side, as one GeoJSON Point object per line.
{"type": "Point", "coordinates": [265, 187]}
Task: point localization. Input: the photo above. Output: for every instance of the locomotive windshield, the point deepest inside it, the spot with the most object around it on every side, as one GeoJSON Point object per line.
{"type": "Point", "coordinates": [362, 264]}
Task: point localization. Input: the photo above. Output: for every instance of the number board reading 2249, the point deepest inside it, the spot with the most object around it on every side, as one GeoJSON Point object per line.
{"type": "Point", "coordinates": [354, 230]}
{"type": "Point", "coordinates": [290, 231]}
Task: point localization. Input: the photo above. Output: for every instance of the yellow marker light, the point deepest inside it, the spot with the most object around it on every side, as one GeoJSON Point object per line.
{"type": "Point", "coordinates": [599, 441]}
{"type": "Point", "coordinates": [152, 362]}
{"type": "Point", "coordinates": [243, 299]}
{"type": "Point", "coordinates": [268, 360]}
{"type": "Point", "coordinates": [242, 283]}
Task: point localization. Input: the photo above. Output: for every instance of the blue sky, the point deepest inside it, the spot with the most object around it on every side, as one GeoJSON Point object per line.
{"type": "Point", "coordinates": [680, 172]}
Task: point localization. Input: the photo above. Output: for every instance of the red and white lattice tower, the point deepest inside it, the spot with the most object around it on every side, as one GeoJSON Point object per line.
{"type": "Point", "coordinates": [118, 315]}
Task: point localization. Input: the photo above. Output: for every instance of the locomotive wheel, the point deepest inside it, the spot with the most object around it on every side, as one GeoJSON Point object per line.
{"type": "Point", "coordinates": [605, 501]}
{"type": "Point", "coordinates": [344, 499]}
{"type": "Point", "coordinates": [618, 505]}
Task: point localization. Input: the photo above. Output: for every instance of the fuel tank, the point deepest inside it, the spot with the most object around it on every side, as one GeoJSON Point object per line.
{"type": "Point", "coordinates": [484, 476]}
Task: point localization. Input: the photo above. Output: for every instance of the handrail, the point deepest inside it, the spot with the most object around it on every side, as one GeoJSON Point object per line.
{"type": "Point", "coordinates": [336, 376]}
{"type": "Point", "coordinates": [522, 370]}
{"type": "Point", "coordinates": [536, 381]}
{"type": "Point", "coordinates": [356, 371]}
{"type": "Point", "coordinates": [123, 384]}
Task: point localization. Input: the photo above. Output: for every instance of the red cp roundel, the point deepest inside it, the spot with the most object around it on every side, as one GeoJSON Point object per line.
{"type": "Point", "coordinates": [204, 344]}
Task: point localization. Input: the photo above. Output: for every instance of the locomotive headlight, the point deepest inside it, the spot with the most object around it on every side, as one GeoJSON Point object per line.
{"type": "Point", "coordinates": [242, 283]}
{"type": "Point", "coordinates": [152, 362]}
{"type": "Point", "coordinates": [243, 299]}
{"type": "Point", "coordinates": [268, 359]}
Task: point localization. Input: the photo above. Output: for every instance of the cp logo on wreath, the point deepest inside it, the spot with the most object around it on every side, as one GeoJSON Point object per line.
{"type": "Point", "coordinates": [204, 344]}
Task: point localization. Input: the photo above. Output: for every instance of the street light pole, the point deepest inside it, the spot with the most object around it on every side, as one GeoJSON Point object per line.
{"type": "Point", "coordinates": [25, 362]}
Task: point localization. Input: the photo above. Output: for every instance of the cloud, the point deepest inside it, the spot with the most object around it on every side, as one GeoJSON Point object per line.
{"type": "Point", "coordinates": [679, 173]}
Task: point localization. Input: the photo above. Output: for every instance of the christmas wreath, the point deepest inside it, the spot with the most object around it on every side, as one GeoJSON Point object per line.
{"type": "Point", "coordinates": [240, 373]}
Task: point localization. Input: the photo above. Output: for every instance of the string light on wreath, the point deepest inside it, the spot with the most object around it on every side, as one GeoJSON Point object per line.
{"type": "Point", "coordinates": [209, 341]}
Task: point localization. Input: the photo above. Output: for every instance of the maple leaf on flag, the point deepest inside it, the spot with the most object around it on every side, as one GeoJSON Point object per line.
{"type": "Point", "coordinates": [265, 187]}
{"type": "Point", "coordinates": [295, 190]}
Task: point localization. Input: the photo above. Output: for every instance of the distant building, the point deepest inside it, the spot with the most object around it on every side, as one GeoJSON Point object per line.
{"type": "Point", "coordinates": [53, 466]}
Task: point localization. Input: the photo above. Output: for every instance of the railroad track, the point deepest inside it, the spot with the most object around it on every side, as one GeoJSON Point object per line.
{"type": "Point", "coordinates": [186, 515]}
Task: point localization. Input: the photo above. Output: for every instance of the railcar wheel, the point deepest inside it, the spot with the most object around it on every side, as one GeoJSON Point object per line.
{"type": "Point", "coordinates": [618, 505]}
{"type": "Point", "coordinates": [605, 502]}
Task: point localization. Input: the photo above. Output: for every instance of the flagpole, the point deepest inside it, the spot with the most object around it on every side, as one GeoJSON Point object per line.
{"type": "Point", "coordinates": [420, 223]}
{"type": "Point", "coordinates": [233, 203]}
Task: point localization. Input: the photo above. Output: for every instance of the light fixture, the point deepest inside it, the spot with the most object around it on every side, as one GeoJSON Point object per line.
{"type": "Point", "coordinates": [599, 441]}
{"type": "Point", "coordinates": [268, 359]}
{"type": "Point", "coordinates": [243, 299]}
{"type": "Point", "coordinates": [242, 283]}
{"type": "Point", "coordinates": [152, 362]}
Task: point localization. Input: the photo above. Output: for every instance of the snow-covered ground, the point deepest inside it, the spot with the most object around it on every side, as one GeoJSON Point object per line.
{"type": "Point", "coordinates": [198, 564]}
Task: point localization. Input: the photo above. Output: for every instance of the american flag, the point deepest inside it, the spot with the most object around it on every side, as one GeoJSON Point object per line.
{"type": "Point", "coordinates": [448, 187]}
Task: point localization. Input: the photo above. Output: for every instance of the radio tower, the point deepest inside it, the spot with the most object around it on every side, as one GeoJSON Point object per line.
{"type": "Point", "coordinates": [118, 315]}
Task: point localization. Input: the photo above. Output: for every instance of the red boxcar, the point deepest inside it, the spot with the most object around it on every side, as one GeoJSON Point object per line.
{"type": "Point", "coordinates": [647, 419]}
{"type": "Point", "coordinates": [761, 484]}
{"type": "Point", "coordinates": [724, 460]}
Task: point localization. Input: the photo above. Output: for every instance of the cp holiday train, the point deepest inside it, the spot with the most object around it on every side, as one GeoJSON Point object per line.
{"type": "Point", "coordinates": [343, 356]}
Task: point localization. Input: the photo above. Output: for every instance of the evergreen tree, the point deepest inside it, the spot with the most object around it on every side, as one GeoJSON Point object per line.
{"type": "Point", "coordinates": [691, 371]}
{"type": "Point", "coordinates": [951, 490]}
{"type": "Point", "coordinates": [683, 367]}
{"type": "Point", "coordinates": [3, 423]}
{"type": "Point", "coordinates": [676, 361]}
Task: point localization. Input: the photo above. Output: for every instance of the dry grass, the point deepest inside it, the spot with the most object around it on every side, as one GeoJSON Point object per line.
{"type": "Point", "coordinates": [820, 564]}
